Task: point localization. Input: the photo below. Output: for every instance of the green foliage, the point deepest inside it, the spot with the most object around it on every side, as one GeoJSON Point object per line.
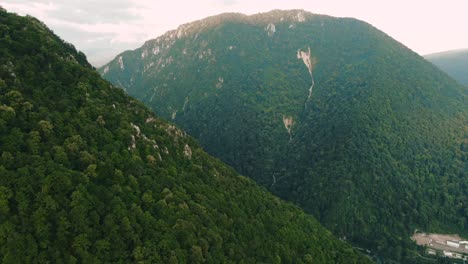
{"type": "Point", "coordinates": [379, 149]}
{"type": "Point", "coordinates": [89, 175]}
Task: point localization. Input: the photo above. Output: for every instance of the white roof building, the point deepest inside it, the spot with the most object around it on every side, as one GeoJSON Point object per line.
{"type": "Point", "coordinates": [454, 244]}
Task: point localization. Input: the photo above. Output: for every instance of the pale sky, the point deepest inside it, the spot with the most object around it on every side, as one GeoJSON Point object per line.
{"type": "Point", "coordinates": [104, 28]}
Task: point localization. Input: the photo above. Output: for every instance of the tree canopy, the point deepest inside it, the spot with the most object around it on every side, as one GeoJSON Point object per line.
{"type": "Point", "coordinates": [90, 175]}
{"type": "Point", "coordinates": [375, 150]}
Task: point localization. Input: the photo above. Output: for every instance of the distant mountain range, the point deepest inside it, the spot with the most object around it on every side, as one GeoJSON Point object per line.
{"type": "Point", "coordinates": [329, 113]}
{"type": "Point", "coordinates": [90, 175]}
{"type": "Point", "coordinates": [454, 63]}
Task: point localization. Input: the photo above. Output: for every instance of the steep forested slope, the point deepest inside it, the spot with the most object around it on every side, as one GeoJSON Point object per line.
{"type": "Point", "coordinates": [330, 113]}
{"type": "Point", "coordinates": [454, 63]}
{"type": "Point", "coordinates": [89, 175]}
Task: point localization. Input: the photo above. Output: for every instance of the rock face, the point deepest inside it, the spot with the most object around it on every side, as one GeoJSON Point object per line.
{"type": "Point", "coordinates": [370, 122]}
{"type": "Point", "coordinates": [288, 123]}
{"type": "Point", "coordinates": [310, 62]}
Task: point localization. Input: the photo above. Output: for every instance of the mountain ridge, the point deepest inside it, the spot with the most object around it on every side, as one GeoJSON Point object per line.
{"type": "Point", "coordinates": [448, 52]}
{"type": "Point", "coordinates": [274, 16]}
{"type": "Point", "coordinates": [453, 62]}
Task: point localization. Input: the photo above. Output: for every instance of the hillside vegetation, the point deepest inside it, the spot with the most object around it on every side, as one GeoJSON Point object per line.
{"type": "Point", "coordinates": [89, 175]}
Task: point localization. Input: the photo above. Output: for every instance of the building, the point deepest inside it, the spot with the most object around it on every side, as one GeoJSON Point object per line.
{"type": "Point", "coordinates": [453, 255]}
{"type": "Point", "coordinates": [454, 244]}
{"type": "Point", "coordinates": [464, 243]}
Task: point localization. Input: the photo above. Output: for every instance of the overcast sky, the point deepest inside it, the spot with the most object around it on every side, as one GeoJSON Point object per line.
{"type": "Point", "coordinates": [104, 28]}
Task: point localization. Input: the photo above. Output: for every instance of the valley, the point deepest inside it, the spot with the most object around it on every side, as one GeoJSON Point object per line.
{"type": "Point", "coordinates": [88, 174]}
{"type": "Point", "coordinates": [284, 136]}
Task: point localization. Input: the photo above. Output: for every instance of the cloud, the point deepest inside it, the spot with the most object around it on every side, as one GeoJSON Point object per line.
{"type": "Point", "coordinates": [102, 11]}
{"type": "Point", "coordinates": [83, 11]}
{"type": "Point", "coordinates": [37, 9]}
{"type": "Point", "coordinates": [104, 27]}
{"type": "Point", "coordinates": [229, 2]}
{"type": "Point", "coordinates": [98, 28]}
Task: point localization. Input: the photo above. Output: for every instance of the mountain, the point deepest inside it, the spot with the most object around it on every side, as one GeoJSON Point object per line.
{"type": "Point", "coordinates": [454, 63]}
{"type": "Point", "coordinates": [90, 175]}
{"type": "Point", "coordinates": [329, 113]}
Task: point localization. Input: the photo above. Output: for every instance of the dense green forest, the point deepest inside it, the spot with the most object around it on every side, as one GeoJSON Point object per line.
{"type": "Point", "coordinates": [329, 113]}
{"type": "Point", "coordinates": [454, 63]}
{"type": "Point", "coordinates": [90, 175]}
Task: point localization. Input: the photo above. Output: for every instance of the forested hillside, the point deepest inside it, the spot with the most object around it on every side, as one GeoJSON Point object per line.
{"type": "Point", "coordinates": [329, 113]}
{"type": "Point", "coordinates": [90, 175]}
{"type": "Point", "coordinates": [454, 63]}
